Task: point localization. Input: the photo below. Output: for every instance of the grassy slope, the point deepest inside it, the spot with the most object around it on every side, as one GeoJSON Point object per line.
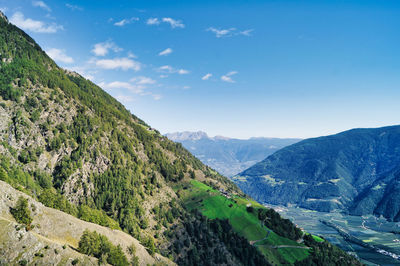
{"type": "Point", "coordinates": [214, 205]}
{"type": "Point", "coordinates": [55, 229]}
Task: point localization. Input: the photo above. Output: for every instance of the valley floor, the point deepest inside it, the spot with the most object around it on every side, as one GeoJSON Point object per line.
{"type": "Point", "coordinates": [377, 232]}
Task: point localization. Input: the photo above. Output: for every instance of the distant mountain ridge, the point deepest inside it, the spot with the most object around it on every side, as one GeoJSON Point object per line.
{"type": "Point", "coordinates": [356, 171]}
{"type": "Point", "coordinates": [228, 156]}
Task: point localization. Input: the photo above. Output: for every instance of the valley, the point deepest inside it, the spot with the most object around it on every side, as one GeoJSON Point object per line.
{"type": "Point", "coordinates": [89, 176]}
{"type": "Point", "coordinates": [376, 232]}
{"type": "Point", "coordinates": [84, 181]}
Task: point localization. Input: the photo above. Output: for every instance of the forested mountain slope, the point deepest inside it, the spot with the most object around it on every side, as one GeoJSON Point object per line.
{"type": "Point", "coordinates": [55, 235]}
{"type": "Point", "coordinates": [73, 147]}
{"type": "Point", "coordinates": [227, 155]}
{"type": "Point", "coordinates": [355, 171]}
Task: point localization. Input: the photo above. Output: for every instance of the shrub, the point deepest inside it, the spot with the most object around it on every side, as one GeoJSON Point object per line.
{"type": "Point", "coordinates": [23, 262]}
{"type": "Point", "coordinates": [21, 212]}
{"type": "Point", "coordinates": [97, 245]}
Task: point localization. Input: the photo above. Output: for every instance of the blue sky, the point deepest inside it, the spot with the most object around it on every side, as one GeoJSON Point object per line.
{"type": "Point", "coordinates": [233, 68]}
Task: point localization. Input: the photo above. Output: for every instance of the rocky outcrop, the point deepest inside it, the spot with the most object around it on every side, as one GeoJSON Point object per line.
{"type": "Point", "coordinates": [55, 235]}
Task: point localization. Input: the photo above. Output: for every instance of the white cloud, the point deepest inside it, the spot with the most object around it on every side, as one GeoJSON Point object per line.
{"type": "Point", "coordinates": [186, 87]}
{"type": "Point", "coordinates": [166, 52]}
{"type": "Point", "coordinates": [131, 55]}
{"type": "Point", "coordinates": [3, 9]}
{"type": "Point", "coordinates": [229, 32]}
{"type": "Point", "coordinates": [143, 80]}
{"type": "Point", "coordinates": [42, 5]}
{"type": "Point", "coordinates": [182, 71]}
{"type": "Point", "coordinates": [19, 20]}
{"type": "Point", "coordinates": [118, 85]}
{"type": "Point", "coordinates": [227, 77]}
{"type": "Point", "coordinates": [206, 76]}
{"type": "Point", "coordinates": [137, 85]}
{"type": "Point", "coordinates": [125, 21]}
{"type": "Point", "coordinates": [167, 69]}
{"type": "Point", "coordinates": [221, 32]}
{"type": "Point", "coordinates": [59, 55]}
{"type": "Point", "coordinates": [74, 7]}
{"type": "Point", "coordinates": [246, 32]}
{"type": "Point", "coordinates": [171, 70]}
{"type": "Point", "coordinates": [84, 71]}
{"type": "Point", "coordinates": [118, 63]}
{"type": "Point", "coordinates": [101, 49]}
{"type": "Point", "coordinates": [174, 23]}
{"type": "Point", "coordinates": [153, 21]}
{"type": "Point", "coordinates": [124, 98]}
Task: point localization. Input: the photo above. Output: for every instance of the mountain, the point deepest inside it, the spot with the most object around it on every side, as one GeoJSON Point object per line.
{"type": "Point", "coordinates": [356, 171]}
{"type": "Point", "coordinates": [55, 235]}
{"type": "Point", "coordinates": [227, 155]}
{"type": "Point", "coordinates": [80, 160]}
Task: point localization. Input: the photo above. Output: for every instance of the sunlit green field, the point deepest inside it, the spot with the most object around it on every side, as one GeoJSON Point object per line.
{"type": "Point", "coordinates": [213, 204]}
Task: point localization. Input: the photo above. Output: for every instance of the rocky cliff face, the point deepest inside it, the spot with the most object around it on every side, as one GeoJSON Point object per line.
{"type": "Point", "coordinates": [354, 171]}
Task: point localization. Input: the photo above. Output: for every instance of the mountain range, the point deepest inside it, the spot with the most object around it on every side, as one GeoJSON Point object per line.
{"type": "Point", "coordinates": [229, 156]}
{"type": "Point", "coordinates": [356, 171]}
{"type": "Point", "coordinates": [71, 157]}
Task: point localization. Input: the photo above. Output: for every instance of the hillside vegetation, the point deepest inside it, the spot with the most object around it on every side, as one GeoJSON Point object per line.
{"type": "Point", "coordinates": [53, 236]}
{"type": "Point", "coordinates": [68, 144]}
{"type": "Point", "coordinates": [356, 171]}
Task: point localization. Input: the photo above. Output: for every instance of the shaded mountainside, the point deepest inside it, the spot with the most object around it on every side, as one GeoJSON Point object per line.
{"type": "Point", "coordinates": [226, 155]}
{"type": "Point", "coordinates": [356, 171]}
{"type": "Point", "coordinates": [71, 146]}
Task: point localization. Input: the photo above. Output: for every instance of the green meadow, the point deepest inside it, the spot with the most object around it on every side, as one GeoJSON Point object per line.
{"type": "Point", "coordinates": [213, 204]}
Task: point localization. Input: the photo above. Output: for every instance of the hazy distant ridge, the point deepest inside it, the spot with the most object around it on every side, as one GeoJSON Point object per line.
{"type": "Point", "coordinates": [228, 156]}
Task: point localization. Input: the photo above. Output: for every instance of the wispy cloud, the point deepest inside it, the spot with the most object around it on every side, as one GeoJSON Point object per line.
{"type": "Point", "coordinates": [119, 63]}
{"type": "Point", "coordinates": [3, 9]}
{"type": "Point", "coordinates": [172, 22]}
{"type": "Point", "coordinates": [42, 5]}
{"type": "Point", "coordinates": [246, 32]}
{"type": "Point", "coordinates": [84, 71]}
{"type": "Point", "coordinates": [227, 77]}
{"type": "Point", "coordinates": [166, 52]}
{"type": "Point", "coordinates": [171, 70]}
{"type": "Point", "coordinates": [206, 76]}
{"type": "Point", "coordinates": [19, 20]}
{"type": "Point", "coordinates": [74, 7]}
{"type": "Point", "coordinates": [141, 80]}
{"type": "Point", "coordinates": [131, 55]}
{"type": "Point", "coordinates": [138, 85]}
{"type": "Point", "coordinates": [102, 49]}
{"type": "Point", "coordinates": [229, 32]}
{"type": "Point", "coordinates": [153, 21]}
{"type": "Point", "coordinates": [124, 98]}
{"type": "Point", "coordinates": [59, 55]}
{"type": "Point", "coordinates": [125, 21]}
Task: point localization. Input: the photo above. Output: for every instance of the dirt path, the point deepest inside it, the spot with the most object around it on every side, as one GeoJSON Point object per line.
{"type": "Point", "coordinates": [289, 246]}
{"type": "Point", "coordinates": [253, 242]}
